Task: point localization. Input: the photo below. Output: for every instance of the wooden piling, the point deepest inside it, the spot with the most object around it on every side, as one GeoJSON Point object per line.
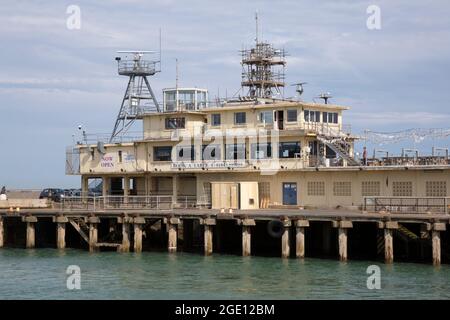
{"type": "Point", "coordinates": [301, 226]}
{"type": "Point", "coordinates": [285, 245]}
{"type": "Point", "coordinates": [208, 224]}
{"type": "Point", "coordinates": [2, 232]}
{"type": "Point", "coordinates": [31, 232]}
{"type": "Point", "coordinates": [138, 224]}
{"type": "Point", "coordinates": [172, 233]}
{"type": "Point", "coordinates": [247, 224]}
{"type": "Point", "coordinates": [93, 233]}
{"type": "Point", "coordinates": [436, 242]}
{"type": "Point", "coordinates": [389, 228]}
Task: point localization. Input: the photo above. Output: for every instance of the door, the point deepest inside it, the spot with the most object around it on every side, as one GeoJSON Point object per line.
{"type": "Point", "coordinates": [290, 193]}
{"type": "Point", "coordinates": [280, 119]}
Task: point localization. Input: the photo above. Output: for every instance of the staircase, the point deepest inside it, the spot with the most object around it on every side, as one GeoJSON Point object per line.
{"type": "Point", "coordinates": [81, 227]}
{"type": "Point", "coordinates": [406, 234]}
{"type": "Point", "coordinates": [339, 144]}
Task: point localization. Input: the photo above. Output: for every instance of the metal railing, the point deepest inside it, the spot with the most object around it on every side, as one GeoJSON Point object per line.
{"type": "Point", "coordinates": [410, 205]}
{"type": "Point", "coordinates": [153, 202]}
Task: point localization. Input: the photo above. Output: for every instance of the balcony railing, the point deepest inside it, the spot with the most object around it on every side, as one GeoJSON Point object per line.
{"type": "Point", "coordinates": [408, 205]}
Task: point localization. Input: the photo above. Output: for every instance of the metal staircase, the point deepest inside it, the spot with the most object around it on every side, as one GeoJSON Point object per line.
{"type": "Point", "coordinates": [337, 141]}
{"type": "Point", "coordinates": [80, 225]}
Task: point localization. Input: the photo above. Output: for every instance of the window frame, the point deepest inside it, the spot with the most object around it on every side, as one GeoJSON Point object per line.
{"type": "Point", "coordinates": [236, 115]}
{"type": "Point", "coordinates": [287, 115]}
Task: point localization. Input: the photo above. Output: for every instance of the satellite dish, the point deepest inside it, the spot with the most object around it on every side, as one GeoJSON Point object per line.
{"type": "Point", "coordinates": [101, 147]}
{"type": "Point", "coordinates": [299, 88]}
{"type": "Point", "coordinates": [325, 96]}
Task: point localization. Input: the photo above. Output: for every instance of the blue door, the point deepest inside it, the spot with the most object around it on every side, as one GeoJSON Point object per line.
{"type": "Point", "coordinates": [290, 193]}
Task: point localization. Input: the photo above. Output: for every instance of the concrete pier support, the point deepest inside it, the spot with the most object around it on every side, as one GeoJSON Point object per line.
{"type": "Point", "coordinates": [389, 227]}
{"type": "Point", "coordinates": [60, 231]}
{"type": "Point", "coordinates": [247, 225]}
{"type": "Point", "coordinates": [208, 224]}
{"type": "Point", "coordinates": [285, 242]}
{"type": "Point", "coordinates": [174, 190]}
{"type": "Point", "coordinates": [172, 233]}
{"type": "Point", "coordinates": [84, 187]}
{"type": "Point", "coordinates": [126, 189]}
{"type": "Point", "coordinates": [138, 223]}
{"type": "Point", "coordinates": [342, 226]}
{"type": "Point", "coordinates": [31, 232]}
{"type": "Point", "coordinates": [93, 233]}
{"type": "Point", "coordinates": [436, 242]}
{"type": "Point", "coordinates": [2, 232]}
{"type": "Point", "coordinates": [125, 221]}
{"type": "Point", "coordinates": [300, 226]}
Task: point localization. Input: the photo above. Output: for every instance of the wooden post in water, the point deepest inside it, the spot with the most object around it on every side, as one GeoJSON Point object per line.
{"type": "Point", "coordinates": [208, 224]}
{"type": "Point", "coordinates": [172, 226]}
{"type": "Point", "coordinates": [247, 225]}
{"type": "Point", "coordinates": [389, 227]}
{"type": "Point", "coordinates": [343, 226]}
{"type": "Point", "coordinates": [93, 233]}
{"type": "Point", "coordinates": [31, 233]}
{"type": "Point", "coordinates": [2, 232]}
{"type": "Point", "coordinates": [300, 225]}
{"type": "Point", "coordinates": [138, 223]}
{"type": "Point", "coordinates": [436, 242]}
{"type": "Point", "coordinates": [285, 245]}
{"type": "Point", "coordinates": [60, 231]}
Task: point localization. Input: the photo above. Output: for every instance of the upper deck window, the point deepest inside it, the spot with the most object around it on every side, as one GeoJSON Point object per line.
{"type": "Point", "coordinates": [292, 115]}
{"type": "Point", "coordinates": [312, 116]}
{"type": "Point", "coordinates": [235, 151]}
{"type": "Point", "coordinates": [261, 150]}
{"type": "Point", "coordinates": [211, 152]}
{"type": "Point", "coordinates": [240, 118]}
{"type": "Point", "coordinates": [289, 149]}
{"type": "Point", "coordinates": [162, 153]}
{"type": "Point", "coordinates": [330, 117]}
{"type": "Point", "coordinates": [215, 119]}
{"type": "Point", "coordinates": [266, 117]}
{"type": "Point", "coordinates": [175, 123]}
{"type": "Point", "coordinates": [185, 153]}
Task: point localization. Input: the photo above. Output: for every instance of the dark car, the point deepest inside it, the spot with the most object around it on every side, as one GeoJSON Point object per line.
{"type": "Point", "coordinates": [53, 194]}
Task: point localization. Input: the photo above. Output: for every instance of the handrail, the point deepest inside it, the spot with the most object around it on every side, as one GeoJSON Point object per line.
{"type": "Point", "coordinates": [407, 204]}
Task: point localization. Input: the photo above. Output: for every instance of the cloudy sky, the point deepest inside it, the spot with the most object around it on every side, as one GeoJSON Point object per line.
{"type": "Point", "coordinates": [52, 78]}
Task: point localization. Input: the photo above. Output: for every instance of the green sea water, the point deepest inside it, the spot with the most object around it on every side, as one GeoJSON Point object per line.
{"type": "Point", "coordinates": [41, 274]}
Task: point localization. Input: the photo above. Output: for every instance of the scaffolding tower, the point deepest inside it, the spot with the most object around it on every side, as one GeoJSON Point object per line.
{"type": "Point", "coordinates": [263, 70]}
{"type": "Point", "coordinates": [139, 97]}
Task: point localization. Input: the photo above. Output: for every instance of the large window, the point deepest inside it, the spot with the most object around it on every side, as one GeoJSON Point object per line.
{"type": "Point", "coordinates": [289, 149]}
{"type": "Point", "coordinates": [240, 118]}
{"type": "Point", "coordinates": [235, 151]}
{"type": "Point", "coordinates": [211, 152]}
{"type": "Point", "coordinates": [330, 117]}
{"type": "Point", "coordinates": [261, 151]}
{"type": "Point", "coordinates": [312, 116]}
{"type": "Point", "coordinates": [162, 153]}
{"type": "Point", "coordinates": [185, 153]}
{"type": "Point", "coordinates": [175, 123]}
{"type": "Point", "coordinates": [215, 119]}
{"type": "Point", "coordinates": [292, 115]}
{"type": "Point", "coordinates": [266, 117]}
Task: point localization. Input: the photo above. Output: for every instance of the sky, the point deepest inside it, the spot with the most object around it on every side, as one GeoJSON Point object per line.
{"type": "Point", "coordinates": [54, 78]}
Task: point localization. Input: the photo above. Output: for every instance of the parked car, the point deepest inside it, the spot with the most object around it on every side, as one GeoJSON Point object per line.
{"type": "Point", "coordinates": [53, 194]}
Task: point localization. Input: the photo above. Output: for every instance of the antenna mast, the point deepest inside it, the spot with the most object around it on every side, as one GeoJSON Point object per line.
{"type": "Point", "coordinates": [139, 97]}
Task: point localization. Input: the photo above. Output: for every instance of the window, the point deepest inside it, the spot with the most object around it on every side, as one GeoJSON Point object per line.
{"type": "Point", "coordinates": [402, 189]}
{"type": "Point", "coordinates": [370, 188]}
{"type": "Point", "coordinates": [261, 151]}
{"type": "Point", "coordinates": [266, 117]}
{"type": "Point", "coordinates": [292, 115]}
{"type": "Point", "coordinates": [211, 152]}
{"type": "Point", "coordinates": [288, 149]}
{"type": "Point", "coordinates": [342, 189]}
{"type": "Point", "coordinates": [120, 156]}
{"type": "Point", "coordinates": [312, 116]}
{"type": "Point", "coordinates": [235, 151]}
{"type": "Point", "coordinates": [162, 153]}
{"type": "Point", "coordinates": [436, 188]}
{"type": "Point", "coordinates": [175, 123]}
{"type": "Point", "coordinates": [185, 153]}
{"type": "Point", "coordinates": [215, 119]}
{"type": "Point", "coordinates": [316, 188]}
{"type": "Point", "coordinates": [330, 117]}
{"type": "Point", "coordinates": [240, 118]}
